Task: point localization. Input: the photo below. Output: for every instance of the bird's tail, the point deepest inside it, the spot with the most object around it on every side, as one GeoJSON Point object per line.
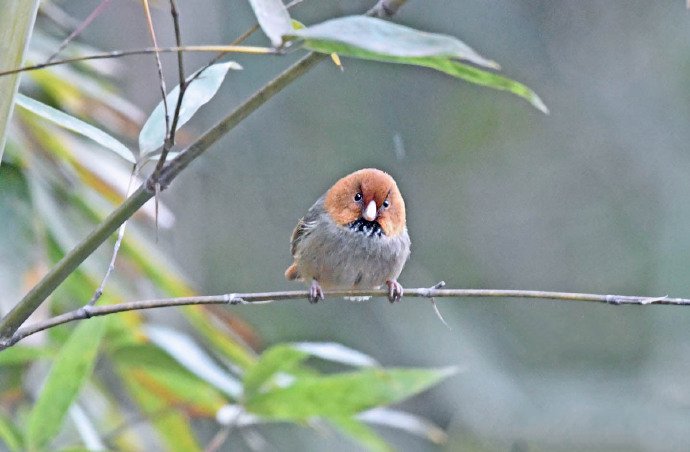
{"type": "Point", "coordinates": [292, 272]}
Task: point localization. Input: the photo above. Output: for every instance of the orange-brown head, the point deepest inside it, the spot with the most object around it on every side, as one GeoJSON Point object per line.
{"type": "Point", "coordinates": [368, 194]}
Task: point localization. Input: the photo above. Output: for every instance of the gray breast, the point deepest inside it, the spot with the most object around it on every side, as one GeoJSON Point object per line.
{"type": "Point", "coordinates": [346, 257]}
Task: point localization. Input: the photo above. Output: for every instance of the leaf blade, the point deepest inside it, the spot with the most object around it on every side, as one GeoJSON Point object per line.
{"type": "Point", "coordinates": [273, 18]}
{"type": "Point", "coordinates": [489, 79]}
{"type": "Point", "coordinates": [73, 365]}
{"type": "Point", "coordinates": [199, 92]}
{"type": "Point", "coordinates": [276, 359]}
{"type": "Point", "coordinates": [191, 356]}
{"type": "Point", "coordinates": [442, 53]}
{"type": "Point", "coordinates": [343, 395]}
{"type": "Point", "coordinates": [78, 126]}
{"type": "Point", "coordinates": [380, 37]}
{"type": "Point", "coordinates": [339, 353]}
{"type": "Point", "coordinates": [362, 433]}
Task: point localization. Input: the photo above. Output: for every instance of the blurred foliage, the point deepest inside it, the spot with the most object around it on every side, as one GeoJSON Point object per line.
{"type": "Point", "coordinates": [124, 382]}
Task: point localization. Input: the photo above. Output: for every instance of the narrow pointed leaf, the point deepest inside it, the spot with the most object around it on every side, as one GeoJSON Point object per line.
{"type": "Point", "coordinates": [343, 395]}
{"type": "Point", "coordinates": [86, 428]}
{"type": "Point", "coordinates": [404, 421]}
{"type": "Point", "coordinates": [361, 433]}
{"type": "Point", "coordinates": [198, 93]}
{"type": "Point", "coordinates": [10, 436]}
{"type": "Point", "coordinates": [190, 355]}
{"type": "Point", "coordinates": [488, 79]}
{"type": "Point", "coordinates": [339, 353]}
{"type": "Point", "coordinates": [20, 354]}
{"type": "Point", "coordinates": [279, 358]}
{"type": "Point", "coordinates": [171, 423]}
{"type": "Point", "coordinates": [167, 380]}
{"type": "Point", "coordinates": [354, 34]}
{"type": "Point", "coordinates": [69, 122]}
{"type": "Point", "coordinates": [274, 19]}
{"type": "Point", "coordinates": [383, 42]}
{"type": "Point", "coordinates": [73, 366]}
{"type": "Point", "coordinates": [16, 25]}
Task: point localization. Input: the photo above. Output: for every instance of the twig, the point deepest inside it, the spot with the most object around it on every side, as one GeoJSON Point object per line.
{"type": "Point", "coordinates": [171, 128]}
{"type": "Point", "coordinates": [433, 304]}
{"type": "Point", "coordinates": [159, 66]}
{"type": "Point", "coordinates": [272, 297]}
{"type": "Point", "coordinates": [116, 248]}
{"type": "Point", "coordinates": [252, 50]}
{"type": "Point", "coordinates": [386, 8]}
{"type": "Point", "coordinates": [98, 10]}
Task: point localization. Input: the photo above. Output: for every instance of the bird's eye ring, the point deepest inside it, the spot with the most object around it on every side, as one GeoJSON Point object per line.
{"type": "Point", "coordinates": [386, 204]}
{"type": "Point", "coordinates": [358, 197]}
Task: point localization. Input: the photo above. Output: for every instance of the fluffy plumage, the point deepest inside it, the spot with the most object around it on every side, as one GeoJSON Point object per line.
{"type": "Point", "coordinates": [354, 236]}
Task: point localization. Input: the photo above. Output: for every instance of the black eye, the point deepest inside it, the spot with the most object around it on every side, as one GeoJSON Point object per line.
{"type": "Point", "coordinates": [358, 197]}
{"type": "Point", "coordinates": [386, 204]}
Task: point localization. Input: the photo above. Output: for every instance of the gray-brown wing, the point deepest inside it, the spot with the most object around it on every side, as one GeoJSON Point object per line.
{"type": "Point", "coordinates": [305, 225]}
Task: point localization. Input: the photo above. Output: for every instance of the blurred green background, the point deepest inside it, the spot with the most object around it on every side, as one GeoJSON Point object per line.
{"type": "Point", "coordinates": [592, 198]}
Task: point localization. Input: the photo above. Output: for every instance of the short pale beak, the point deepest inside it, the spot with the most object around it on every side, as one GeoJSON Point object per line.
{"type": "Point", "coordinates": [369, 213]}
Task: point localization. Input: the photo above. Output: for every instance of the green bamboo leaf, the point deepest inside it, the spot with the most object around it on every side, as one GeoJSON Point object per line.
{"type": "Point", "coordinates": [353, 35]}
{"type": "Point", "coordinates": [274, 19]}
{"type": "Point", "coordinates": [69, 122]}
{"type": "Point", "coordinates": [199, 92]}
{"type": "Point", "coordinates": [16, 24]}
{"type": "Point", "coordinates": [18, 223]}
{"type": "Point", "coordinates": [361, 433]}
{"type": "Point", "coordinates": [171, 423]}
{"type": "Point", "coordinates": [279, 358]}
{"type": "Point", "coordinates": [9, 434]}
{"type": "Point", "coordinates": [72, 367]}
{"type": "Point", "coordinates": [390, 43]}
{"type": "Point", "coordinates": [339, 353]}
{"type": "Point", "coordinates": [407, 422]}
{"type": "Point", "coordinates": [219, 338]}
{"type": "Point", "coordinates": [485, 78]}
{"type": "Point", "coordinates": [20, 354]}
{"type": "Point", "coordinates": [343, 395]}
{"type": "Point", "coordinates": [171, 383]}
{"type": "Point", "coordinates": [191, 356]}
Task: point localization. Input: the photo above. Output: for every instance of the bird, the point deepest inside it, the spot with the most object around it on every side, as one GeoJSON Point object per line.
{"type": "Point", "coordinates": [353, 237]}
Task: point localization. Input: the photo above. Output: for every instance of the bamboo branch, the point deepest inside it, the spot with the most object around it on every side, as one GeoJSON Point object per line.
{"type": "Point", "coordinates": [257, 298]}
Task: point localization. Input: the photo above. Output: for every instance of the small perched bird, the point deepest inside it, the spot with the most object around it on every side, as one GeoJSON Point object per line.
{"type": "Point", "coordinates": [353, 237]}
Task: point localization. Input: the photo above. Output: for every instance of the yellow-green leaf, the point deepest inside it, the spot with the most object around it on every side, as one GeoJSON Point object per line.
{"type": "Point", "coordinates": [374, 39]}
{"type": "Point", "coordinates": [69, 122]}
{"type": "Point", "coordinates": [343, 395]}
{"type": "Point", "coordinates": [72, 367]}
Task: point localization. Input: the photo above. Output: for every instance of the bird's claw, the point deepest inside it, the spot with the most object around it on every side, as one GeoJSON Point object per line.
{"type": "Point", "coordinates": [315, 292]}
{"type": "Point", "coordinates": [395, 290]}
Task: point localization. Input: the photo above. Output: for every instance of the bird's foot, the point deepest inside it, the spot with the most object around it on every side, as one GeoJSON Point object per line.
{"type": "Point", "coordinates": [315, 292]}
{"type": "Point", "coordinates": [395, 290]}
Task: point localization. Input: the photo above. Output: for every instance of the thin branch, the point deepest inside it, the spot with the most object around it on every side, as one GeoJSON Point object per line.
{"type": "Point", "coordinates": [252, 50]}
{"type": "Point", "coordinates": [77, 31]}
{"type": "Point", "coordinates": [159, 65]}
{"type": "Point", "coordinates": [120, 235]}
{"type": "Point", "coordinates": [272, 297]}
{"type": "Point", "coordinates": [386, 8]}
{"type": "Point", "coordinates": [172, 128]}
